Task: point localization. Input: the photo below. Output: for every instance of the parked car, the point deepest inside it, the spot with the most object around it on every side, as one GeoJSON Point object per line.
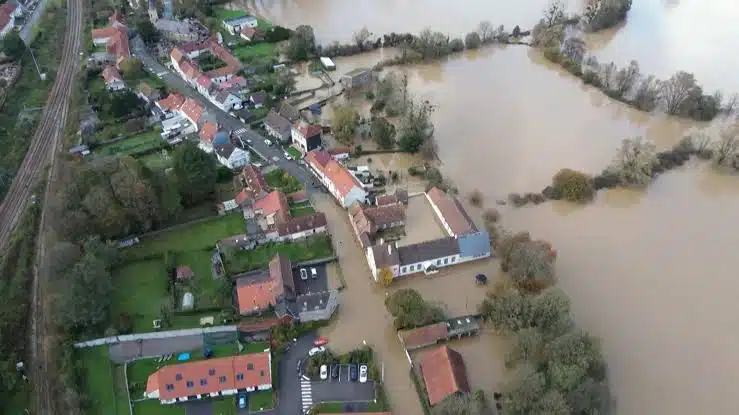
{"type": "Point", "coordinates": [335, 371]}
{"type": "Point", "coordinates": [320, 341]}
{"type": "Point", "coordinates": [288, 156]}
{"type": "Point", "coordinates": [353, 373]}
{"type": "Point", "coordinates": [267, 142]}
{"type": "Point", "coordinates": [314, 273]}
{"type": "Point", "coordinates": [363, 373]}
{"type": "Point", "coordinates": [314, 351]}
{"type": "Point", "coordinates": [324, 372]}
{"type": "Point", "coordinates": [275, 159]}
{"type": "Point", "coordinates": [303, 274]}
{"type": "Point", "coordinates": [242, 401]}
{"type": "Point", "coordinates": [300, 363]}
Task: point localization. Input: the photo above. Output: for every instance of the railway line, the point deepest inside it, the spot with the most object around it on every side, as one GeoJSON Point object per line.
{"type": "Point", "coordinates": [46, 143]}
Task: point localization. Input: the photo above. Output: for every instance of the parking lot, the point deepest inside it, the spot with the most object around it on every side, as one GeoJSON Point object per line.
{"type": "Point", "coordinates": [311, 285]}
{"type": "Point", "coordinates": [342, 391]}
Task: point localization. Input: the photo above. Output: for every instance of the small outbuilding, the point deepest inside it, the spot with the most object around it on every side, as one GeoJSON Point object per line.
{"type": "Point", "coordinates": [327, 63]}
{"type": "Point", "coordinates": [188, 301]}
{"type": "Point", "coordinates": [184, 273]}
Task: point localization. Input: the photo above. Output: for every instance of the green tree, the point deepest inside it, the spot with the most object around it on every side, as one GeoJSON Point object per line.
{"type": "Point", "coordinates": [462, 404]}
{"type": "Point", "coordinates": [472, 40]}
{"type": "Point", "coordinates": [523, 391]}
{"type": "Point", "coordinates": [573, 186]}
{"type": "Point", "coordinates": [302, 43]}
{"type": "Point", "coordinates": [634, 162]}
{"type": "Point", "coordinates": [344, 124]}
{"type": "Point", "coordinates": [508, 310]}
{"type": "Point", "coordinates": [12, 44]}
{"type": "Point", "coordinates": [196, 173]}
{"type": "Point", "coordinates": [383, 132]}
{"type": "Point", "coordinates": [410, 310]}
{"type": "Point", "coordinates": [284, 84]}
{"type": "Point", "coordinates": [148, 32]}
{"type": "Point", "coordinates": [415, 126]}
{"type": "Point", "coordinates": [132, 68]}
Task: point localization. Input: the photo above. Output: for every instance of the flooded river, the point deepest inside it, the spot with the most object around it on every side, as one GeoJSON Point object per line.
{"type": "Point", "coordinates": [649, 272]}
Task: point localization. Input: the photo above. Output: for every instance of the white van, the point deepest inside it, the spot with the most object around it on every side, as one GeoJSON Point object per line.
{"type": "Point", "coordinates": [267, 142]}
{"type": "Point", "coordinates": [313, 273]}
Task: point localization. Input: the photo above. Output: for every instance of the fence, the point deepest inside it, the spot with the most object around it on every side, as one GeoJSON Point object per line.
{"type": "Point", "coordinates": [128, 391]}
{"type": "Point", "coordinates": [154, 335]}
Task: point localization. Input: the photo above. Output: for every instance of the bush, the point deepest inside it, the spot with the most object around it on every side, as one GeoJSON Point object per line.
{"type": "Point", "coordinates": [223, 174]}
{"type": "Point", "coordinates": [591, 78]}
{"type": "Point", "coordinates": [553, 54]}
{"type": "Point", "coordinates": [491, 215]}
{"type": "Point", "coordinates": [475, 198]}
{"type": "Point", "coordinates": [573, 186]}
{"type": "Point", "coordinates": [516, 199]}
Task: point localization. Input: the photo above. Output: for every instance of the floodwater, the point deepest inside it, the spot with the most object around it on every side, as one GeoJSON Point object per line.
{"type": "Point", "coordinates": [650, 273]}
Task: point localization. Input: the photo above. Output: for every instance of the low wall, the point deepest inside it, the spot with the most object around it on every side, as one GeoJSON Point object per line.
{"type": "Point", "coordinates": [319, 261]}
{"type": "Point", "coordinates": [155, 335]}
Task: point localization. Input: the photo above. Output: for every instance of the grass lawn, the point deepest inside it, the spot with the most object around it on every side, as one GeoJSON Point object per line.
{"type": "Point", "coordinates": [255, 347]}
{"type": "Point", "coordinates": [200, 236]}
{"type": "Point", "coordinates": [224, 14]}
{"type": "Point", "coordinates": [140, 290]}
{"type": "Point", "coordinates": [301, 209]}
{"type": "Point", "coordinates": [99, 385]}
{"type": "Point", "coordinates": [225, 406]}
{"type": "Point", "coordinates": [316, 247]}
{"type": "Point", "coordinates": [157, 161]}
{"type": "Point", "coordinates": [280, 179]}
{"type": "Point", "coordinates": [261, 400]}
{"type": "Point", "coordinates": [153, 407]}
{"type": "Point", "coordinates": [134, 144]}
{"type": "Point", "coordinates": [297, 155]}
{"type": "Point", "coordinates": [258, 51]}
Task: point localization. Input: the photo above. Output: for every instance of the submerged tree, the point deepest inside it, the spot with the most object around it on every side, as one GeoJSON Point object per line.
{"type": "Point", "coordinates": [634, 162]}
{"type": "Point", "coordinates": [677, 92]}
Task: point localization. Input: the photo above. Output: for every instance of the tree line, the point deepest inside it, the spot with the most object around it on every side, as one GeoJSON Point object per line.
{"type": "Point", "coordinates": [680, 95]}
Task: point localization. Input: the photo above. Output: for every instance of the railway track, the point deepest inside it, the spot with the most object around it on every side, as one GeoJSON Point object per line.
{"type": "Point", "coordinates": [44, 147]}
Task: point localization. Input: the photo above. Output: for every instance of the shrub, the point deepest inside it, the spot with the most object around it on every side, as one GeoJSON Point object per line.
{"type": "Point", "coordinates": [516, 199]}
{"type": "Point", "coordinates": [591, 78]}
{"type": "Point", "coordinates": [223, 174]}
{"type": "Point", "coordinates": [491, 215]}
{"type": "Point", "coordinates": [475, 198]}
{"type": "Point", "coordinates": [553, 54]}
{"type": "Point", "coordinates": [573, 186]}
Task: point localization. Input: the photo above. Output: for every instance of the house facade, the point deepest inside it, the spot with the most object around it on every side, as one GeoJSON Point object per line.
{"type": "Point", "coordinates": [307, 137]}
{"type": "Point", "coordinates": [236, 24]}
{"type": "Point", "coordinates": [231, 156]}
{"type": "Point", "coordinates": [211, 378]}
{"type": "Point", "coordinates": [112, 78]}
{"type": "Point", "coordinates": [336, 178]}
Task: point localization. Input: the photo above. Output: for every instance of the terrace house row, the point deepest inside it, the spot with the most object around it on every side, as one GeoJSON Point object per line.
{"type": "Point", "coordinates": [339, 181]}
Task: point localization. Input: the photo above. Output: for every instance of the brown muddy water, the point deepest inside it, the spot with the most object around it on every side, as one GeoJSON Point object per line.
{"type": "Point", "coordinates": [650, 273]}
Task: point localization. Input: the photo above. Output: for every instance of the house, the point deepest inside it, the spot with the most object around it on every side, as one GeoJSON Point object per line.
{"type": "Point", "coordinates": [147, 93]}
{"type": "Point", "coordinates": [234, 25]}
{"type": "Point", "coordinates": [258, 98]}
{"type": "Point", "coordinates": [252, 177]}
{"type": "Point", "coordinates": [273, 207]}
{"type": "Point", "coordinates": [340, 153]}
{"type": "Point", "coordinates": [252, 34]}
{"type": "Point", "coordinates": [444, 374]}
{"type": "Point", "coordinates": [182, 59]}
{"type": "Point", "coordinates": [184, 273]}
{"type": "Point", "coordinates": [278, 127]}
{"type": "Point", "coordinates": [338, 180]}
{"type": "Point", "coordinates": [112, 78]}
{"type": "Point", "coordinates": [420, 337]}
{"type": "Point", "coordinates": [115, 39]}
{"type": "Point", "coordinates": [207, 135]}
{"type": "Point", "coordinates": [228, 154]}
{"type": "Point", "coordinates": [8, 12]}
{"type": "Point", "coordinates": [451, 214]}
{"type": "Point", "coordinates": [192, 110]}
{"type": "Point", "coordinates": [301, 227]}
{"type": "Point", "coordinates": [176, 30]}
{"type": "Point", "coordinates": [369, 220]}
{"type": "Point", "coordinates": [211, 378]}
{"type": "Point", "coordinates": [357, 78]}
{"type": "Point", "coordinates": [171, 104]}
{"type": "Point", "coordinates": [289, 112]}
{"type": "Point", "coordinates": [256, 292]}
{"type": "Point", "coordinates": [226, 100]}
{"type": "Point", "coordinates": [306, 136]}
{"type": "Point", "coordinates": [399, 196]}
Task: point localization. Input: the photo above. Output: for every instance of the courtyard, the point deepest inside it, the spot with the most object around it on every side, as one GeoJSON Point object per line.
{"type": "Point", "coordinates": [421, 223]}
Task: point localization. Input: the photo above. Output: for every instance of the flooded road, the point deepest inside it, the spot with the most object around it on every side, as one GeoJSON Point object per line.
{"type": "Point", "coordinates": [651, 273]}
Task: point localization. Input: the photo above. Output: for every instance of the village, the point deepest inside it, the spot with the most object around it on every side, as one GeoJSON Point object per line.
{"type": "Point", "coordinates": [215, 314]}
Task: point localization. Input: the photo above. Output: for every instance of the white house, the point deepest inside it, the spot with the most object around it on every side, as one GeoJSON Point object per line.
{"type": "Point", "coordinates": [301, 227]}
{"type": "Point", "coordinates": [231, 156]}
{"type": "Point", "coordinates": [236, 24]}
{"type": "Point", "coordinates": [211, 378]}
{"type": "Point", "coordinates": [113, 79]}
{"type": "Point", "coordinates": [306, 136]}
{"type": "Point", "coordinates": [8, 12]}
{"type": "Point", "coordinates": [338, 180]}
{"type": "Point", "coordinates": [226, 100]}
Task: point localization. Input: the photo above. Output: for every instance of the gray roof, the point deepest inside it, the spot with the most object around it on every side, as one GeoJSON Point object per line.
{"type": "Point", "coordinates": [289, 112]}
{"type": "Point", "coordinates": [174, 26]}
{"type": "Point", "coordinates": [428, 250]}
{"type": "Point", "coordinates": [474, 245]}
{"type": "Point", "coordinates": [225, 150]}
{"type": "Point", "coordinates": [277, 122]}
{"type": "Point", "coordinates": [386, 255]}
{"type": "Point", "coordinates": [222, 96]}
{"type": "Point", "coordinates": [239, 20]}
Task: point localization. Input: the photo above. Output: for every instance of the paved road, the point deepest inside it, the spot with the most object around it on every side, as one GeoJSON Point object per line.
{"type": "Point", "coordinates": [290, 396]}
{"type": "Point", "coordinates": [225, 120]}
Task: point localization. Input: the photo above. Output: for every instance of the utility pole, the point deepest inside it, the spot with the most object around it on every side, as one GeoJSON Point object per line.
{"type": "Point", "coordinates": [40, 75]}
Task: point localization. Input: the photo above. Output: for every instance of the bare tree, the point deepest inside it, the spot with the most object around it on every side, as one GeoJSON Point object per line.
{"type": "Point", "coordinates": [361, 37]}
{"type": "Point", "coordinates": [677, 90]}
{"type": "Point", "coordinates": [486, 31]}
{"type": "Point", "coordinates": [647, 94]}
{"type": "Point", "coordinates": [574, 48]}
{"type": "Point", "coordinates": [626, 78]}
{"type": "Point", "coordinates": [731, 104]}
{"type": "Point", "coordinates": [554, 13]}
{"type": "Point", "coordinates": [608, 76]}
{"type": "Point", "coordinates": [726, 147]}
{"type": "Point", "coordinates": [634, 162]}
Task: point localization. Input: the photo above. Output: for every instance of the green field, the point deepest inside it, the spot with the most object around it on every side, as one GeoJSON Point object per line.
{"type": "Point", "coordinates": [261, 400]}
{"type": "Point", "coordinates": [140, 290]}
{"type": "Point", "coordinates": [280, 179]}
{"type": "Point", "coordinates": [258, 51]}
{"type": "Point", "coordinates": [135, 144]}
{"type": "Point", "coordinates": [316, 247]}
{"type": "Point", "coordinates": [104, 397]}
{"type": "Point", "coordinates": [301, 209]}
{"type": "Point", "coordinates": [295, 153]}
{"type": "Point", "coordinates": [156, 161]}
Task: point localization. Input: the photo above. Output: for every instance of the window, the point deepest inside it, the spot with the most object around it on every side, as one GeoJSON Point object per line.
{"type": "Point", "coordinates": [454, 259]}
{"type": "Point", "coordinates": [446, 261]}
{"type": "Point", "coordinates": [190, 384]}
{"type": "Point", "coordinates": [249, 366]}
{"type": "Point", "coordinates": [222, 379]}
{"type": "Point", "coordinates": [261, 373]}
{"type": "Point", "coordinates": [438, 262]}
{"type": "Point", "coordinates": [211, 372]}
{"type": "Point", "coordinates": [178, 376]}
{"type": "Point", "coordinates": [239, 376]}
{"type": "Point", "coordinates": [170, 387]}
{"type": "Point", "coordinates": [402, 270]}
{"type": "Point", "coordinates": [203, 382]}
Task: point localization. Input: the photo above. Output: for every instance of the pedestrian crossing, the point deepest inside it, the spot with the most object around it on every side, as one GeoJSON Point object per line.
{"type": "Point", "coordinates": [240, 131]}
{"type": "Point", "coordinates": [306, 394]}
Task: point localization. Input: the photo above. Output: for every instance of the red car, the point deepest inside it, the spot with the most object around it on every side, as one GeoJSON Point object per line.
{"type": "Point", "coordinates": [320, 341]}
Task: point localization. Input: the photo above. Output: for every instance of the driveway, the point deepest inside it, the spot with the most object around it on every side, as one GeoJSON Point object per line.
{"type": "Point", "coordinates": [198, 408]}
{"type": "Point", "coordinates": [241, 129]}
{"type": "Point", "coordinates": [311, 285]}
{"type": "Point", "coordinates": [290, 395]}
{"type": "Point", "coordinates": [344, 391]}
{"type": "Point", "coordinates": [123, 351]}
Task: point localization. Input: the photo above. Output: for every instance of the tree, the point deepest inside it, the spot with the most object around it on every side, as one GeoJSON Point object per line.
{"type": "Point", "coordinates": [523, 391]}
{"type": "Point", "coordinates": [344, 124]}
{"type": "Point", "coordinates": [431, 45]}
{"type": "Point", "coordinates": [531, 265]}
{"type": "Point", "coordinates": [410, 310]}
{"type": "Point", "coordinates": [574, 48]}
{"type": "Point", "coordinates": [486, 31]}
{"type": "Point", "coordinates": [725, 148]}
{"type": "Point", "coordinates": [361, 37]}
{"type": "Point", "coordinates": [634, 162]}
{"type": "Point", "coordinates": [551, 311]}
{"type": "Point", "coordinates": [415, 127]}
{"type": "Point", "coordinates": [132, 68]}
{"type": "Point", "coordinates": [148, 32]}
{"type": "Point", "coordinates": [554, 13]}
{"type": "Point", "coordinates": [456, 45]}
{"type": "Point", "coordinates": [461, 404]}
{"type": "Point", "coordinates": [196, 173]}
{"type": "Point", "coordinates": [490, 215]}
{"type": "Point", "coordinates": [646, 96]}
{"type": "Point", "coordinates": [552, 403]}
{"type": "Point", "coordinates": [476, 198]}
{"type": "Point", "coordinates": [301, 44]}
{"type": "Point", "coordinates": [677, 91]}
{"type": "Point", "coordinates": [528, 346]}
{"type": "Point", "coordinates": [383, 132]}
{"type": "Point", "coordinates": [508, 310]}
{"type": "Point", "coordinates": [573, 186]}
{"type": "Point", "coordinates": [472, 40]}
{"type": "Point", "coordinates": [284, 84]}
{"type": "Point", "coordinates": [12, 45]}
{"type": "Point", "coordinates": [626, 78]}
{"type": "Point", "coordinates": [385, 276]}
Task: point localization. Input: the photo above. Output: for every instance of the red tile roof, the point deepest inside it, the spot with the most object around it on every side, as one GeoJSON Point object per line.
{"type": "Point", "coordinates": [443, 373]}
{"type": "Point", "coordinates": [192, 109]}
{"type": "Point", "coordinates": [423, 336]}
{"type": "Point", "coordinates": [301, 224]}
{"type": "Point", "coordinates": [335, 172]}
{"type": "Point", "coordinates": [452, 212]}
{"type": "Point", "coordinates": [251, 32]}
{"type": "Point", "coordinates": [103, 33]}
{"type": "Point", "coordinates": [210, 376]}
{"type": "Point", "coordinates": [176, 54]}
{"type": "Point", "coordinates": [254, 179]}
{"type": "Point", "coordinates": [6, 11]}
{"type": "Point", "coordinates": [281, 270]}
{"type": "Point", "coordinates": [173, 102]}
{"type": "Point", "coordinates": [110, 74]}
{"type": "Point", "coordinates": [189, 69]}
{"type": "Point", "coordinates": [243, 196]}
{"type": "Point", "coordinates": [255, 296]}
{"type": "Point", "coordinates": [208, 132]}
{"type": "Point", "coordinates": [273, 203]}
{"type": "Point", "coordinates": [203, 81]}
{"type": "Point", "coordinates": [308, 130]}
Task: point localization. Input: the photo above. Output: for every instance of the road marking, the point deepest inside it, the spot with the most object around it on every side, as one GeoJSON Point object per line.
{"type": "Point", "coordinates": [307, 394]}
{"type": "Point", "coordinates": [240, 131]}
{"type": "Point", "coordinates": [306, 377]}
